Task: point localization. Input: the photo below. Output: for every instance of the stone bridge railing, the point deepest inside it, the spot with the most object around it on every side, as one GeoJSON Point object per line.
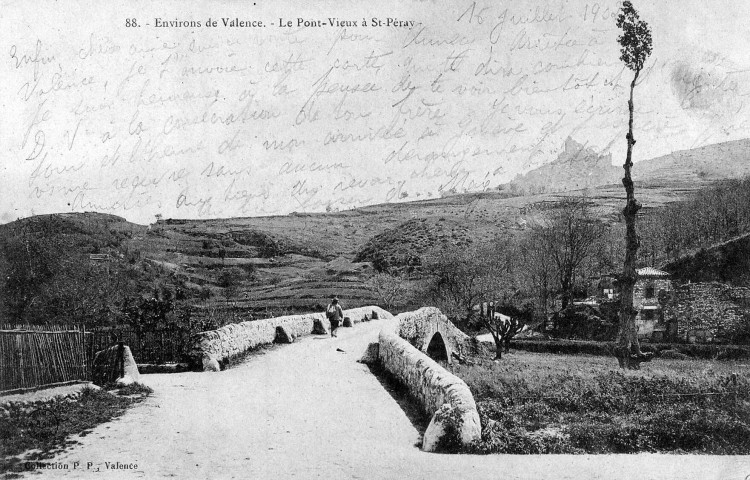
{"type": "Point", "coordinates": [402, 350]}
{"type": "Point", "coordinates": [208, 350]}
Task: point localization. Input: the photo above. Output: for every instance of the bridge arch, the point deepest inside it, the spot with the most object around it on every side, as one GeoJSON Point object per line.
{"type": "Point", "coordinates": [437, 349]}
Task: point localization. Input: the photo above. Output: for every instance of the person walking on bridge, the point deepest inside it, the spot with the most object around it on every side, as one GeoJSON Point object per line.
{"type": "Point", "coordinates": [335, 314]}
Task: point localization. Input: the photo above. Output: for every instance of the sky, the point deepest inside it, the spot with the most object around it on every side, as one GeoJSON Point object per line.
{"type": "Point", "coordinates": [225, 109]}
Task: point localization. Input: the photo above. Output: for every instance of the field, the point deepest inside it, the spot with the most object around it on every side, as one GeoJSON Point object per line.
{"type": "Point", "coordinates": [544, 403]}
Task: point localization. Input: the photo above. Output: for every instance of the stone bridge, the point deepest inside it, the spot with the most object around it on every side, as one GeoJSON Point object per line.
{"type": "Point", "coordinates": [432, 333]}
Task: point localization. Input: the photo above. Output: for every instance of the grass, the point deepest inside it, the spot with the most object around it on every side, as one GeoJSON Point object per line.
{"type": "Point", "coordinates": [38, 433]}
{"type": "Point", "coordinates": [544, 403]}
{"type": "Point", "coordinates": [591, 347]}
{"type": "Point", "coordinates": [137, 389]}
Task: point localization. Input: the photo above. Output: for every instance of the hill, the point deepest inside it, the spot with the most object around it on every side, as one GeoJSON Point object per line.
{"type": "Point", "coordinates": [261, 266]}
{"type": "Point", "coordinates": [270, 265]}
{"type": "Point", "coordinates": [575, 168]}
{"type": "Point", "coordinates": [578, 167]}
{"type": "Point", "coordinates": [66, 268]}
{"type": "Point", "coordinates": [727, 262]}
{"type": "Point", "coordinates": [403, 246]}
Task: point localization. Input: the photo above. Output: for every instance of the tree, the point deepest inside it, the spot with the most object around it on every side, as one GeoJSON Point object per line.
{"type": "Point", "coordinates": [503, 327]}
{"type": "Point", "coordinates": [149, 312]}
{"type": "Point", "coordinates": [31, 262]}
{"type": "Point", "coordinates": [392, 290]}
{"type": "Point", "coordinates": [570, 237]}
{"type": "Point", "coordinates": [229, 279]}
{"type": "Point", "coordinates": [538, 272]}
{"type": "Point", "coordinates": [460, 278]}
{"type": "Point", "coordinates": [635, 43]}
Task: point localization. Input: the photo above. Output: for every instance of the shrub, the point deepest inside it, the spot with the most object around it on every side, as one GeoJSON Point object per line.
{"type": "Point", "coordinates": [451, 419]}
{"type": "Point", "coordinates": [584, 322]}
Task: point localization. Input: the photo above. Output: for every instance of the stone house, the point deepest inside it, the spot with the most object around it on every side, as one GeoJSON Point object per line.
{"type": "Point", "coordinates": [652, 290]}
{"type": "Point", "coordinates": [707, 312]}
{"type": "Point", "coordinates": [606, 287]}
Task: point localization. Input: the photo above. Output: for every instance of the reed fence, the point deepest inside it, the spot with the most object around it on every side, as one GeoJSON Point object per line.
{"type": "Point", "coordinates": [149, 346]}
{"type": "Point", "coordinates": [39, 355]}
{"type": "Point", "coordinates": [32, 357]}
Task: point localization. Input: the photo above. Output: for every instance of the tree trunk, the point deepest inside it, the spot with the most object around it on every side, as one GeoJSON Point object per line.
{"type": "Point", "coordinates": [498, 351]}
{"type": "Point", "coordinates": [498, 347]}
{"type": "Point", "coordinates": [627, 338]}
{"type": "Point", "coordinates": [564, 286]}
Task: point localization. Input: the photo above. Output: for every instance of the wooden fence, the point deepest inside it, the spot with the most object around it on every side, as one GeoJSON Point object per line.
{"type": "Point", "coordinates": [33, 357]}
{"type": "Point", "coordinates": [154, 346]}
{"type": "Point", "coordinates": [40, 355]}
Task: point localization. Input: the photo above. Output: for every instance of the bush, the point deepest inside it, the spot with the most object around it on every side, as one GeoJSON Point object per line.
{"type": "Point", "coordinates": [450, 442]}
{"type": "Point", "coordinates": [584, 322]}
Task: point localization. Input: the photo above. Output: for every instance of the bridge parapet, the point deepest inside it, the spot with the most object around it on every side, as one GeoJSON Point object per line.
{"type": "Point", "coordinates": [208, 350]}
{"type": "Point", "coordinates": [442, 395]}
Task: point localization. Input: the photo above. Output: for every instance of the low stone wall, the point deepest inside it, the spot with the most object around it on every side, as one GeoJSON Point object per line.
{"type": "Point", "coordinates": [208, 350]}
{"type": "Point", "coordinates": [706, 312]}
{"type": "Point", "coordinates": [440, 393]}
{"type": "Point", "coordinates": [42, 398]}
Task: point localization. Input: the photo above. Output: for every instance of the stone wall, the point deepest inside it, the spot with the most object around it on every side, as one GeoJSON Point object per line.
{"type": "Point", "coordinates": [48, 399]}
{"type": "Point", "coordinates": [706, 312]}
{"type": "Point", "coordinates": [207, 350]}
{"type": "Point", "coordinates": [418, 328]}
{"type": "Point", "coordinates": [438, 391]}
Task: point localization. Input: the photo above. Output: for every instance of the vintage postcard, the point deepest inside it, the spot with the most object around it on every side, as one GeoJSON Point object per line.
{"type": "Point", "coordinates": [357, 239]}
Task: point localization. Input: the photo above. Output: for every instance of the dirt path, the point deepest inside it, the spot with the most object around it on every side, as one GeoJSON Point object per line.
{"type": "Point", "coordinates": [306, 411]}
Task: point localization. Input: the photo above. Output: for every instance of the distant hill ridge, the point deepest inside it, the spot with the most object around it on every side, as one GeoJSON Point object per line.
{"type": "Point", "coordinates": [575, 168]}
{"type": "Point", "coordinates": [578, 167]}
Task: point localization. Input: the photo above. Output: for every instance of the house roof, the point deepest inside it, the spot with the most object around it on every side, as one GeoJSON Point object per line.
{"type": "Point", "coordinates": [651, 272]}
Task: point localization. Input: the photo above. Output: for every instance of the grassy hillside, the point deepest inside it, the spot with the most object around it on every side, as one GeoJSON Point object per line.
{"type": "Point", "coordinates": [271, 265]}
{"type": "Point", "coordinates": [261, 266]}
{"type": "Point", "coordinates": [403, 246]}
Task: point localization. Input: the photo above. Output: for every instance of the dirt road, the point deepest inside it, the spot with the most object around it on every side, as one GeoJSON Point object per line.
{"type": "Point", "coordinates": [309, 411]}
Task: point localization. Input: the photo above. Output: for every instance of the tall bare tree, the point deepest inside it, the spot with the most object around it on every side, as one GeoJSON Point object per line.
{"type": "Point", "coordinates": [635, 47]}
{"type": "Point", "coordinates": [538, 272]}
{"type": "Point", "coordinates": [570, 236]}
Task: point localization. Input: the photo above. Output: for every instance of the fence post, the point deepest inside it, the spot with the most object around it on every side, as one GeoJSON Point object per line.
{"type": "Point", "coordinates": [121, 358]}
{"type": "Point", "coordinates": [82, 353]}
{"type": "Point", "coordinates": [21, 366]}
